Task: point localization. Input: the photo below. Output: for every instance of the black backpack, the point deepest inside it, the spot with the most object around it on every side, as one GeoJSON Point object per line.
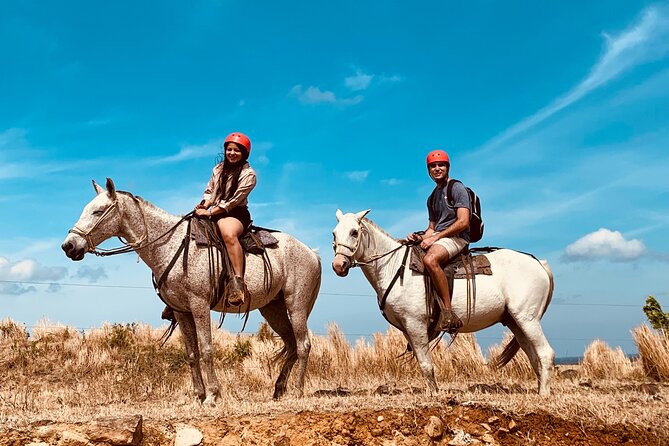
{"type": "Point", "coordinates": [475, 220]}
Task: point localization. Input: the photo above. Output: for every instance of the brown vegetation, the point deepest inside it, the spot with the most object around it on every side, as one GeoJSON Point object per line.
{"type": "Point", "coordinates": [58, 373]}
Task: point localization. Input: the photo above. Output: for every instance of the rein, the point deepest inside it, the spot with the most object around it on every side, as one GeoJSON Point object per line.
{"type": "Point", "coordinates": [129, 246]}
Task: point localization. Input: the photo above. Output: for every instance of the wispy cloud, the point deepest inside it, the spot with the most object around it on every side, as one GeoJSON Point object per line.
{"type": "Point", "coordinates": [314, 95]}
{"type": "Point", "coordinates": [190, 152]}
{"type": "Point", "coordinates": [357, 175]}
{"type": "Point", "coordinates": [92, 275]}
{"type": "Point", "coordinates": [392, 181]}
{"type": "Point", "coordinates": [359, 81]}
{"type": "Point", "coordinates": [644, 41]}
{"type": "Point", "coordinates": [605, 244]}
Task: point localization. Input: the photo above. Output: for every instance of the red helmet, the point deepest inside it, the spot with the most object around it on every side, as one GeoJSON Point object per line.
{"type": "Point", "coordinates": [437, 156]}
{"type": "Point", "coordinates": [239, 138]}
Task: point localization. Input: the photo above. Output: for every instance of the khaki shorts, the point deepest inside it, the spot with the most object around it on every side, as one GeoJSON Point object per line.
{"type": "Point", "coordinates": [453, 245]}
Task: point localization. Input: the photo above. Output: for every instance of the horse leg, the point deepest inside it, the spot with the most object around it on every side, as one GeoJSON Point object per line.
{"type": "Point", "coordinates": [276, 315]}
{"type": "Point", "coordinates": [202, 320]}
{"type": "Point", "coordinates": [187, 326]}
{"type": "Point", "coordinates": [532, 340]}
{"type": "Point", "coordinates": [420, 345]}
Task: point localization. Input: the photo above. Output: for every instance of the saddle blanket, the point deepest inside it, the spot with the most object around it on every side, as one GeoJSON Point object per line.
{"type": "Point", "coordinates": [480, 263]}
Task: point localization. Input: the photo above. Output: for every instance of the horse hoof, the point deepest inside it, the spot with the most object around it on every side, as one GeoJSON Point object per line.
{"type": "Point", "coordinates": [209, 401]}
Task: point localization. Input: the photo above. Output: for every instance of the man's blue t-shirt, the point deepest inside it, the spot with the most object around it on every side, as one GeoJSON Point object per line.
{"type": "Point", "coordinates": [441, 213]}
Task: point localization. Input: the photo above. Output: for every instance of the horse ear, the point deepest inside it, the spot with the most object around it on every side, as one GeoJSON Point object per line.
{"type": "Point", "coordinates": [98, 189]}
{"type": "Point", "coordinates": [339, 214]}
{"type": "Point", "coordinates": [360, 215]}
{"type": "Point", "coordinates": [111, 189]}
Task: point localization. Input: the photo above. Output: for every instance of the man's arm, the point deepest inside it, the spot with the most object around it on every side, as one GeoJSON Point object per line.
{"type": "Point", "coordinates": [460, 224]}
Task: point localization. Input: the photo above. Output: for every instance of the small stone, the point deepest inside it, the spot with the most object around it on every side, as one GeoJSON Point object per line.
{"type": "Point", "coordinates": [379, 418]}
{"type": "Point", "coordinates": [512, 426]}
{"type": "Point", "coordinates": [462, 439]}
{"type": "Point", "coordinates": [376, 432]}
{"type": "Point", "coordinates": [434, 428]}
{"type": "Point", "coordinates": [493, 420]}
{"type": "Point", "coordinates": [487, 438]}
{"type": "Point", "coordinates": [486, 426]}
{"type": "Point", "coordinates": [188, 436]}
{"type": "Point", "coordinates": [503, 430]}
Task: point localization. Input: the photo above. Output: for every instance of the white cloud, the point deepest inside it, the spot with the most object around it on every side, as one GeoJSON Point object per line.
{"type": "Point", "coordinates": [314, 95]}
{"type": "Point", "coordinates": [644, 41]}
{"type": "Point", "coordinates": [359, 82]}
{"type": "Point", "coordinates": [605, 244]}
{"type": "Point", "coordinates": [26, 270]}
{"type": "Point", "coordinates": [357, 175]}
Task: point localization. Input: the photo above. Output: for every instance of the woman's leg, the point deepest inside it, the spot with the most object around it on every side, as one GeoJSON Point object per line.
{"type": "Point", "coordinates": [231, 229]}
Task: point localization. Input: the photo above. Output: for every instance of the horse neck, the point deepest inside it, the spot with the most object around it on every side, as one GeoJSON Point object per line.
{"type": "Point", "coordinates": [379, 273]}
{"type": "Point", "coordinates": [142, 219]}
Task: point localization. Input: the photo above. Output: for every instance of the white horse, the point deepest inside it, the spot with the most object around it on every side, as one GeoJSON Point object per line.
{"type": "Point", "coordinates": [157, 235]}
{"type": "Point", "coordinates": [517, 294]}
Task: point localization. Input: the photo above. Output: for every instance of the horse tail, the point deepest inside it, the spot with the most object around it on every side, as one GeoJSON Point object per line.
{"type": "Point", "coordinates": [316, 288]}
{"type": "Point", "coordinates": [549, 271]}
{"type": "Point", "coordinates": [512, 347]}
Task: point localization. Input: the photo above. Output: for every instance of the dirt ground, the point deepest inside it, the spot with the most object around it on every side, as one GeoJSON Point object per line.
{"type": "Point", "coordinates": [460, 425]}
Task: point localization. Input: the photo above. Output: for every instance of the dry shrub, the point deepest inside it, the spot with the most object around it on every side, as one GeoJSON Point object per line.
{"type": "Point", "coordinates": [518, 368]}
{"type": "Point", "coordinates": [653, 349]}
{"type": "Point", "coordinates": [602, 362]}
{"type": "Point", "coordinates": [463, 359]}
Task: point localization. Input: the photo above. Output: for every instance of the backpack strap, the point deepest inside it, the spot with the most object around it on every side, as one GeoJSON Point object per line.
{"type": "Point", "coordinates": [449, 191]}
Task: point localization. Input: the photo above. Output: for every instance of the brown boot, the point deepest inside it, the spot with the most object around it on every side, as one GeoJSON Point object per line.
{"type": "Point", "coordinates": [449, 322]}
{"type": "Point", "coordinates": [235, 291]}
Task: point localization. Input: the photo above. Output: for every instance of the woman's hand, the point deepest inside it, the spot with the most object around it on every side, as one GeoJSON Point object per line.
{"type": "Point", "coordinates": [201, 211]}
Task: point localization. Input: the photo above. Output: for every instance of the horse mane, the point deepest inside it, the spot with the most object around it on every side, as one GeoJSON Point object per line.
{"type": "Point", "coordinates": [379, 228]}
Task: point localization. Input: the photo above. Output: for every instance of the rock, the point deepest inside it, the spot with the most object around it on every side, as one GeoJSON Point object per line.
{"type": "Point", "coordinates": [116, 431]}
{"type": "Point", "coordinates": [462, 439]}
{"type": "Point", "coordinates": [376, 432]}
{"type": "Point", "coordinates": [379, 418]}
{"type": "Point", "coordinates": [434, 428]}
{"type": "Point", "coordinates": [69, 438]}
{"type": "Point", "coordinates": [512, 426]}
{"type": "Point", "coordinates": [188, 436]}
{"type": "Point", "coordinates": [487, 438]}
{"type": "Point", "coordinates": [493, 420]}
{"type": "Point", "coordinates": [486, 426]}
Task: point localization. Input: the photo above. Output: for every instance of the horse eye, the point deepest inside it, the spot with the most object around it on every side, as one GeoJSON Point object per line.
{"type": "Point", "coordinates": [354, 233]}
{"type": "Point", "coordinates": [97, 212]}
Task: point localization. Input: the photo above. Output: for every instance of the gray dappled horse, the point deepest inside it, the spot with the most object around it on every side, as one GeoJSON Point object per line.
{"type": "Point", "coordinates": [517, 294]}
{"type": "Point", "coordinates": [156, 236]}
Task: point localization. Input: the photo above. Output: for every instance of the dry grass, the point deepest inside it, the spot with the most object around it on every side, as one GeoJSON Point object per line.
{"type": "Point", "coordinates": [60, 373]}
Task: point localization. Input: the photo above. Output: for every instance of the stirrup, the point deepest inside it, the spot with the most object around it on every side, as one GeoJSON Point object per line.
{"type": "Point", "coordinates": [235, 292]}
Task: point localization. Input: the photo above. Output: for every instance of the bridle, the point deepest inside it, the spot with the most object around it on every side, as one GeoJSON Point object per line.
{"type": "Point", "coordinates": [354, 249]}
{"type": "Point", "coordinates": [128, 245]}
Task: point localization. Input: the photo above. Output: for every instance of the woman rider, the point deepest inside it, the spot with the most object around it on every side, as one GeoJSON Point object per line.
{"type": "Point", "coordinates": [225, 202]}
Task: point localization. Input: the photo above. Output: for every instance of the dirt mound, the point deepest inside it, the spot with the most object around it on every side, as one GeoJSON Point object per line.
{"type": "Point", "coordinates": [455, 425]}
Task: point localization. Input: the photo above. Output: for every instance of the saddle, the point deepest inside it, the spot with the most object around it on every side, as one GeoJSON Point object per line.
{"type": "Point", "coordinates": [254, 239]}
{"type": "Point", "coordinates": [456, 268]}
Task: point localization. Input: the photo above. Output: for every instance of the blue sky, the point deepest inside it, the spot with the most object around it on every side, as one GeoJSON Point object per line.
{"type": "Point", "coordinates": [556, 114]}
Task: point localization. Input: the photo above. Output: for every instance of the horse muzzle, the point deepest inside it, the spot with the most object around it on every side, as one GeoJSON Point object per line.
{"type": "Point", "coordinates": [72, 249]}
{"type": "Point", "coordinates": [341, 264]}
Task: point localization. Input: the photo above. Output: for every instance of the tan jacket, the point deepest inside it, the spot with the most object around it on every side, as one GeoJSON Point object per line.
{"type": "Point", "coordinates": [247, 181]}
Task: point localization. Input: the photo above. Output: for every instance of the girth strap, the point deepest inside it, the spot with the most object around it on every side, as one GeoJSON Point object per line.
{"type": "Point", "coordinates": [398, 275]}
{"type": "Point", "coordinates": [183, 247]}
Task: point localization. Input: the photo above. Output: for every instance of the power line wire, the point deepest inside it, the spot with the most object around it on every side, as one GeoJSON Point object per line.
{"type": "Point", "coordinates": [137, 287]}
